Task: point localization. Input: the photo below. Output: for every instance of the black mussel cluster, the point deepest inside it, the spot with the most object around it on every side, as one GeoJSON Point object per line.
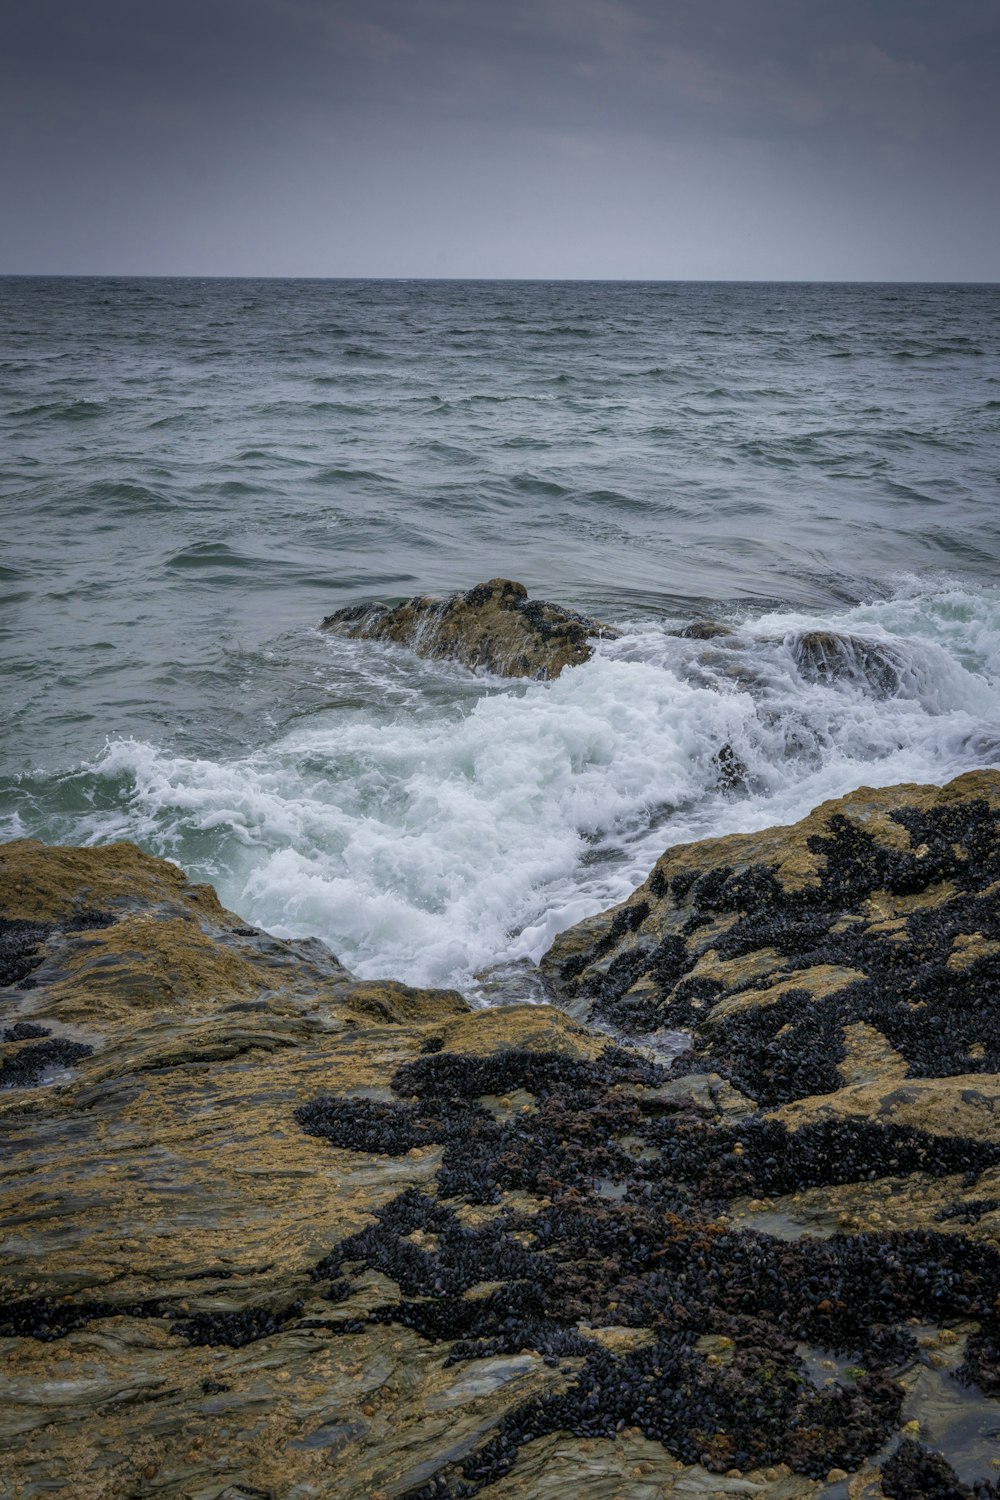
{"type": "Point", "coordinates": [23, 1031]}
{"type": "Point", "coordinates": [22, 946]}
{"type": "Point", "coordinates": [234, 1329]}
{"type": "Point", "coordinates": [28, 1066]}
{"type": "Point", "coordinates": [968, 1210]}
{"type": "Point", "coordinates": [942, 1019]}
{"type": "Point", "coordinates": [47, 1318]}
{"type": "Point", "coordinates": [630, 1236]}
{"type": "Point", "coordinates": [982, 1357]}
{"type": "Point", "coordinates": [20, 943]}
{"type": "Point", "coordinates": [366, 1125]}
{"type": "Point", "coordinates": [914, 1473]}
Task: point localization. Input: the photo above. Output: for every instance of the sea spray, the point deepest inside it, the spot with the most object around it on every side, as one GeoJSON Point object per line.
{"type": "Point", "coordinates": [449, 822]}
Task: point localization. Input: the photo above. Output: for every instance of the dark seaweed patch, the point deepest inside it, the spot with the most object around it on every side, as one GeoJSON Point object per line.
{"type": "Point", "coordinates": [26, 1068]}
{"type": "Point", "coordinates": [19, 945]}
{"type": "Point", "coordinates": [234, 1329]}
{"type": "Point", "coordinates": [915, 1473]}
{"type": "Point", "coordinates": [943, 1018]}
{"type": "Point", "coordinates": [649, 1255]}
{"type": "Point", "coordinates": [24, 1031]}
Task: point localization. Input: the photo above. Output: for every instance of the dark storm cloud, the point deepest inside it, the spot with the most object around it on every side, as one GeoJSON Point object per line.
{"type": "Point", "coordinates": [274, 135]}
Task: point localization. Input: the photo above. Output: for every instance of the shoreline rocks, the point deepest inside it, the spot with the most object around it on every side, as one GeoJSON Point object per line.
{"type": "Point", "coordinates": [494, 626]}
{"type": "Point", "coordinates": [272, 1231]}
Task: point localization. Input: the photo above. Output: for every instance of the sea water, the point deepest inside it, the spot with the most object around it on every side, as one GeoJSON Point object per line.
{"type": "Point", "coordinates": [193, 473]}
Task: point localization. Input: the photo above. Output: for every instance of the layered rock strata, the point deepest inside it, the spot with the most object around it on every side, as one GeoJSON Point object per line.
{"type": "Point", "coordinates": [270, 1231]}
{"type": "Point", "coordinates": [494, 626]}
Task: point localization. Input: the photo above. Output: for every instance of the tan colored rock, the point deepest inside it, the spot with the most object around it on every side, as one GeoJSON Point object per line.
{"type": "Point", "coordinates": [40, 883]}
{"type": "Point", "coordinates": [493, 626]}
{"type": "Point", "coordinates": [705, 630]}
{"type": "Point", "coordinates": [970, 947]}
{"type": "Point", "coordinates": [728, 932]}
{"type": "Point", "coordinates": [539, 1028]}
{"type": "Point", "coordinates": [817, 981]}
{"type": "Point", "coordinates": [966, 1105]}
{"type": "Point", "coordinates": [870, 1058]}
{"type": "Point", "coordinates": [167, 1177]}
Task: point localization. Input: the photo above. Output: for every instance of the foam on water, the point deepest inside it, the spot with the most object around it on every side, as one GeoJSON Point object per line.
{"type": "Point", "coordinates": [460, 823]}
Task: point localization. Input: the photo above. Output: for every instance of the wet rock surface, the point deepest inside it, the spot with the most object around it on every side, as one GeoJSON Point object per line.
{"type": "Point", "coordinates": [494, 626]}
{"type": "Point", "coordinates": [827, 654]}
{"type": "Point", "coordinates": [276, 1232]}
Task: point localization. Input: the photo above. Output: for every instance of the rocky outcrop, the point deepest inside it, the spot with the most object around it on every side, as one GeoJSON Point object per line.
{"type": "Point", "coordinates": [840, 972]}
{"type": "Point", "coordinates": [270, 1231]}
{"type": "Point", "coordinates": [493, 626]}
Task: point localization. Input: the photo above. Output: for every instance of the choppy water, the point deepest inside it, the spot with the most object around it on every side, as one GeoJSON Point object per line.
{"type": "Point", "coordinates": [193, 473]}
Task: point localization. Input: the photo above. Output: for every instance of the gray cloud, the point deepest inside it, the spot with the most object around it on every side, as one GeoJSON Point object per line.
{"type": "Point", "coordinates": [537, 137]}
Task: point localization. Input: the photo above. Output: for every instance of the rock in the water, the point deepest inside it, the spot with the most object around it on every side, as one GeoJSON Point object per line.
{"type": "Point", "coordinates": [826, 654]}
{"type": "Point", "coordinates": [705, 630]}
{"type": "Point", "coordinates": [494, 626]}
{"type": "Point", "coordinates": [733, 774]}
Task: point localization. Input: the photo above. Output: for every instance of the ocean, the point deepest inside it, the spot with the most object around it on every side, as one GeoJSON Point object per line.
{"type": "Point", "coordinates": [193, 473]}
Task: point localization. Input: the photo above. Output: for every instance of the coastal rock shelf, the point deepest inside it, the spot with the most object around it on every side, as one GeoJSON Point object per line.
{"type": "Point", "coordinates": [494, 626]}
{"type": "Point", "coordinates": [273, 1231]}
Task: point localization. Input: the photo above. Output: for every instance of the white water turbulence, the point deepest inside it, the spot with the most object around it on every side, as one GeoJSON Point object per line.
{"type": "Point", "coordinates": [459, 824]}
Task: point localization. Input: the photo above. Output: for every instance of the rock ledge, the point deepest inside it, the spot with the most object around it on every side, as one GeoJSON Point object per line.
{"type": "Point", "coordinates": [273, 1232]}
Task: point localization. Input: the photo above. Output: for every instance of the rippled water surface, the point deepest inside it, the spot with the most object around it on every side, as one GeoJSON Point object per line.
{"type": "Point", "coordinates": [194, 473]}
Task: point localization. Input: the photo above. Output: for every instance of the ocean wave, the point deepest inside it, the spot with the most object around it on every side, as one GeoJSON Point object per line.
{"type": "Point", "coordinates": [432, 832]}
{"type": "Point", "coordinates": [63, 411]}
{"type": "Point", "coordinates": [214, 555]}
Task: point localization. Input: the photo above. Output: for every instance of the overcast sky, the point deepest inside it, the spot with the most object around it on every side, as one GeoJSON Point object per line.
{"type": "Point", "coordinates": [818, 139]}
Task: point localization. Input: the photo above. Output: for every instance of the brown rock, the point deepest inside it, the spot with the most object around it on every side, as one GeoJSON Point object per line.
{"type": "Point", "coordinates": [682, 951]}
{"type": "Point", "coordinates": [704, 630]}
{"type": "Point", "coordinates": [160, 1187]}
{"type": "Point", "coordinates": [493, 626]}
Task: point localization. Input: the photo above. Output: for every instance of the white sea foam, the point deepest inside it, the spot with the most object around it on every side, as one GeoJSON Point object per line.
{"type": "Point", "coordinates": [461, 830]}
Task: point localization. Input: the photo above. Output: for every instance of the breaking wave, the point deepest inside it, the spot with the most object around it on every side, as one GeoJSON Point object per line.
{"type": "Point", "coordinates": [433, 833]}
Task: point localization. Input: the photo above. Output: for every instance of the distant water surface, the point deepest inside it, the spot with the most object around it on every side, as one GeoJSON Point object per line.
{"type": "Point", "coordinates": [194, 472]}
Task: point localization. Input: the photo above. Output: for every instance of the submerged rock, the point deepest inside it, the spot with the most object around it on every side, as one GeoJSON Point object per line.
{"type": "Point", "coordinates": [494, 626]}
{"type": "Point", "coordinates": [271, 1231]}
{"type": "Point", "coordinates": [826, 654]}
{"type": "Point", "coordinates": [705, 630]}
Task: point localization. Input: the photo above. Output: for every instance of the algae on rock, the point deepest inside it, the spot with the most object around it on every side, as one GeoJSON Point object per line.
{"type": "Point", "coordinates": [272, 1231]}
{"type": "Point", "coordinates": [494, 626]}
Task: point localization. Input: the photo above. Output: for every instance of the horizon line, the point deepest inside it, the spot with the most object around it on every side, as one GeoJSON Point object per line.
{"type": "Point", "coordinates": [509, 280]}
